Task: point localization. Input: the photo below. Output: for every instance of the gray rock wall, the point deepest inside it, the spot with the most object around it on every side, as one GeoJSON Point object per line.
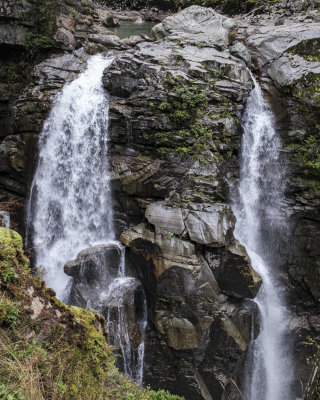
{"type": "Point", "coordinates": [175, 139]}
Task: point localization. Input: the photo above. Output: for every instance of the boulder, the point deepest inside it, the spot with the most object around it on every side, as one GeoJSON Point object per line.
{"type": "Point", "coordinates": [12, 35]}
{"type": "Point", "coordinates": [298, 77]}
{"type": "Point", "coordinates": [230, 266]}
{"type": "Point", "coordinates": [165, 218]}
{"type": "Point", "coordinates": [197, 24]}
{"type": "Point", "coordinates": [105, 40]}
{"type": "Point", "coordinates": [240, 50]}
{"type": "Point", "coordinates": [134, 40]}
{"type": "Point", "coordinates": [93, 262]}
{"type": "Point", "coordinates": [180, 332]}
{"type": "Point", "coordinates": [64, 39]}
{"type": "Point", "coordinates": [289, 69]}
{"type": "Point", "coordinates": [212, 226]}
{"type": "Point", "coordinates": [266, 43]}
{"type": "Point", "coordinates": [110, 22]}
{"type": "Point", "coordinates": [165, 251]}
{"type": "Point", "coordinates": [93, 271]}
{"type": "Point", "coordinates": [234, 273]}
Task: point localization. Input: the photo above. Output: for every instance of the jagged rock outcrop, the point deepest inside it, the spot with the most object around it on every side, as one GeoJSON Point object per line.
{"type": "Point", "coordinates": [99, 283]}
{"type": "Point", "coordinates": [287, 55]}
{"type": "Point", "coordinates": [175, 137]}
{"type": "Point", "coordinates": [90, 276]}
{"type": "Point", "coordinates": [63, 34]}
{"type": "Point", "coordinates": [174, 131]}
{"type": "Point", "coordinates": [199, 25]}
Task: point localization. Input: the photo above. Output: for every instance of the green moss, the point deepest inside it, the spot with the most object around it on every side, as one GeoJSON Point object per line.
{"type": "Point", "coordinates": [205, 195]}
{"type": "Point", "coordinates": [63, 356]}
{"type": "Point", "coordinates": [308, 152]}
{"type": "Point", "coordinates": [308, 49]}
{"type": "Point", "coordinates": [16, 66]}
{"type": "Point", "coordinates": [9, 312]}
{"type": "Point", "coordinates": [10, 244]}
{"type": "Point", "coordinates": [12, 257]}
{"type": "Point", "coordinates": [184, 107]}
{"type": "Point", "coordinates": [203, 178]}
{"type": "Point", "coordinates": [306, 90]}
{"type": "Point", "coordinates": [175, 141]}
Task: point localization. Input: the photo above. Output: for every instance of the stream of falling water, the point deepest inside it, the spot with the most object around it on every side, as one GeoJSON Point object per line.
{"type": "Point", "coordinates": [259, 209]}
{"type": "Point", "coordinates": [70, 206]}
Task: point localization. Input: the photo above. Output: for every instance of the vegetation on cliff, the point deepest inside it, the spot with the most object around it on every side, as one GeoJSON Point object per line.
{"type": "Point", "coordinates": [49, 350]}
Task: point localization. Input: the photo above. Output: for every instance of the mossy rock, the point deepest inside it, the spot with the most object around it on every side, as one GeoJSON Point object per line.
{"type": "Point", "coordinates": [49, 350]}
{"type": "Point", "coordinates": [11, 246]}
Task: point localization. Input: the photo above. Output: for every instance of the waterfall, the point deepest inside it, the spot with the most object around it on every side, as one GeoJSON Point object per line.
{"type": "Point", "coordinates": [5, 219]}
{"type": "Point", "coordinates": [70, 201]}
{"type": "Point", "coordinates": [70, 205]}
{"type": "Point", "coordinates": [122, 330]}
{"type": "Point", "coordinates": [260, 218]}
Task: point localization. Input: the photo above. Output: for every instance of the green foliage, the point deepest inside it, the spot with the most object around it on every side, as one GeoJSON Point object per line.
{"type": "Point", "coordinates": [9, 392]}
{"type": "Point", "coordinates": [15, 68]}
{"type": "Point", "coordinates": [306, 91]}
{"type": "Point", "coordinates": [36, 43]}
{"type": "Point", "coordinates": [42, 12]}
{"type": "Point", "coordinates": [184, 106]}
{"type": "Point", "coordinates": [203, 178]}
{"type": "Point", "coordinates": [313, 358]}
{"type": "Point", "coordinates": [198, 133]}
{"type": "Point", "coordinates": [67, 357]}
{"type": "Point", "coordinates": [9, 312]}
{"type": "Point", "coordinates": [205, 195]}
{"type": "Point", "coordinates": [191, 99]}
{"type": "Point", "coordinates": [309, 152]}
{"type": "Point", "coordinates": [308, 49]}
{"type": "Point", "coordinates": [163, 395]}
{"type": "Point", "coordinates": [8, 273]}
{"type": "Point", "coordinates": [199, 44]}
{"type": "Point", "coordinates": [185, 103]}
{"type": "Point", "coordinates": [313, 387]}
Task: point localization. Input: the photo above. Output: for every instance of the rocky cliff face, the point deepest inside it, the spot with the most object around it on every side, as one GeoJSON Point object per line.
{"type": "Point", "coordinates": [43, 45]}
{"type": "Point", "coordinates": [287, 56]}
{"type": "Point", "coordinates": [48, 349]}
{"type": "Point", "coordinates": [175, 137]}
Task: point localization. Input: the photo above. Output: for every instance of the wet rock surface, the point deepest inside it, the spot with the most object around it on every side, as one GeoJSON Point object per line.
{"type": "Point", "coordinates": [287, 55]}
{"type": "Point", "coordinates": [175, 138]}
{"type": "Point", "coordinates": [92, 271]}
{"type": "Point", "coordinates": [171, 212]}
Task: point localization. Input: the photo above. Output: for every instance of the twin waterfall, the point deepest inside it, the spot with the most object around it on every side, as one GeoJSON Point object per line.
{"type": "Point", "coordinates": [260, 218]}
{"type": "Point", "coordinates": [70, 205]}
{"type": "Point", "coordinates": [70, 209]}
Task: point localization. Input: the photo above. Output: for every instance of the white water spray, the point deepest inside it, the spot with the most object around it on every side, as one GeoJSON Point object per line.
{"type": "Point", "coordinates": [124, 327]}
{"type": "Point", "coordinates": [70, 202]}
{"type": "Point", "coordinates": [259, 210]}
{"type": "Point", "coordinates": [5, 219]}
{"type": "Point", "coordinates": [70, 206]}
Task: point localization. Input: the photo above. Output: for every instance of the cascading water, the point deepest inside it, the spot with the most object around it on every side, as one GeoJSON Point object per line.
{"type": "Point", "coordinates": [70, 201]}
{"type": "Point", "coordinates": [120, 296]}
{"type": "Point", "coordinates": [260, 217]}
{"type": "Point", "coordinates": [5, 219]}
{"type": "Point", "coordinates": [70, 206]}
